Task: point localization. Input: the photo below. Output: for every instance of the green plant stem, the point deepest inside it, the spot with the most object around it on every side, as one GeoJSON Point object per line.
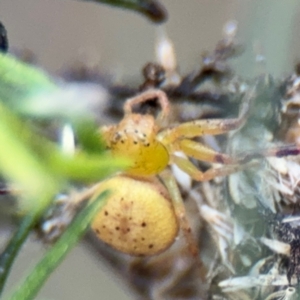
{"type": "Point", "coordinates": [32, 284]}
{"type": "Point", "coordinates": [9, 254]}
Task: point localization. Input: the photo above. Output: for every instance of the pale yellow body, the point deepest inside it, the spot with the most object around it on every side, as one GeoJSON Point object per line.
{"type": "Point", "coordinates": [138, 217]}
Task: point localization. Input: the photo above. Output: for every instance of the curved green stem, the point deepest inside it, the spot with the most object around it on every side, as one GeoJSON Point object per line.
{"type": "Point", "coordinates": [36, 279]}
{"type": "Point", "coordinates": [9, 254]}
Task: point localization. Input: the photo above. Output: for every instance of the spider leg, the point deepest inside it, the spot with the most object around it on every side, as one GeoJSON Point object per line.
{"type": "Point", "coordinates": [277, 151]}
{"type": "Point", "coordinates": [202, 152]}
{"type": "Point", "coordinates": [180, 212]}
{"type": "Point", "coordinates": [186, 166]}
{"type": "Point", "coordinates": [146, 96]}
{"type": "Point", "coordinates": [211, 126]}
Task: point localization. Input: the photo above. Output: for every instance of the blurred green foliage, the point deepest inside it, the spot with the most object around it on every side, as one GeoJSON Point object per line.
{"type": "Point", "coordinates": [29, 159]}
{"type": "Point", "coordinates": [36, 165]}
{"type": "Point", "coordinates": [32, 283]}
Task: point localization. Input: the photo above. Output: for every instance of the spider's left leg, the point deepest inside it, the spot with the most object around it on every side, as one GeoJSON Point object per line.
{"type": "Point", "coordinates": [204, 153]}
{"type": "Point", "coordinates": [275, 151]}
{"type": "Point", "coordinates": [185, 165]}
{"type": "Point", "coordinates": [180, 212]}
{"type": "Point", "coordinates": [208, 126]}
{"type": "Point", "coordinates": [201, 152]}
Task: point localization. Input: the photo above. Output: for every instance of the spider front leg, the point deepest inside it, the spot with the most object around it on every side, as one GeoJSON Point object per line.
{"type": "Point", "coordinates": [201, 152]}
{"type": "Point", "coordinates": [211, 126]}
{"type": "Point", "coordinates": [275, 151]}
{"type": "Point", "coordinates": [185, 165]}
{"type": "Point", "coordinates": [146, 96]}
{"type": "Point", "coordinates": [179, 139]}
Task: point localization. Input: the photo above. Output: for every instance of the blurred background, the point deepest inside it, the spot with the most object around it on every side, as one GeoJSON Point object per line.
{"type": "Point", "coordinates": [120, 42]}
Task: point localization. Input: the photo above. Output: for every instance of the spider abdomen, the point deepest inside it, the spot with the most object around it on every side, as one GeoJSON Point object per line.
{"type": "Point", "coordinates": [138, 218]}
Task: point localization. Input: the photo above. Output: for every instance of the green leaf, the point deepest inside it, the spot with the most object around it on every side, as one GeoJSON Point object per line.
{"type": "Point", "coordinates": [87, 133]}
{"type": "Point", "coordinates": [8, 255]}
{"type": "Point", "coordinates": [39, 167]}
{"type": "Point", "coordinates": [19, 80]}
{"type": "Point", "coordinates": [35, 280]}
{"type": "Point", "coordinates": [21, 165]}
{"type": "Point", "coordinates": [29, 91]}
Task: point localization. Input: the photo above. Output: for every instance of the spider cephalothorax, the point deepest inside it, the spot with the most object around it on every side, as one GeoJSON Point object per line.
{"type": "Point", "coordinates": [136, 138]}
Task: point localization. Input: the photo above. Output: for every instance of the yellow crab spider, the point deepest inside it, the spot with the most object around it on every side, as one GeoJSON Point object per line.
{"type": "Point", "coordinates": [143, 215]}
